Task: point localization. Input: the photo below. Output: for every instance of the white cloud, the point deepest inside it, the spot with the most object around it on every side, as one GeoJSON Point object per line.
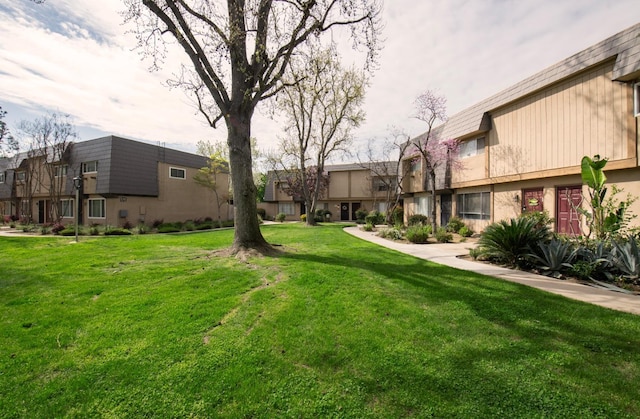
{"type": "Point", "coordinates": [74, 56]}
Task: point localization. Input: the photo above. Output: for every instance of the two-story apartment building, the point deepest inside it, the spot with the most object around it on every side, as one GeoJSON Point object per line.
{"type": "Point", "coordinates": [522, 148]}
{"type": "Point", "coordinates": [119, 181]}
{"type": "Point", "coordinates": [370, 186]}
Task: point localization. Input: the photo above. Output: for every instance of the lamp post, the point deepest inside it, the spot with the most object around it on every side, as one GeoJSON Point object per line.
{"type": "Point", "coordinates": [77, 182]}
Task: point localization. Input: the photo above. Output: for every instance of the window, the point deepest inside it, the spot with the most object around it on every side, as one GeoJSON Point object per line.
{"type": "Point", "coordinates": [636, 99]}
{"type": "Point", "coordinates": [474, 206]}
{"type": "Point", "coordinates": [66, 208]}
{"type": "Point", "coordinates": [21, 176]}
{"type": "Point", "coordinates": [381, 184]}
{"type": "Point", "coordinates": [424, 205]}
{"type": "Point", "coordinates": [381, 207]}
{"type": "Point", "coordinates": [472, 147]}
{"type": "Point", "coordinates": [90, 167]}
{"type": "Point", "coordinates": [177, 173]}
{"type": "Point", "coordinates": [416, 165]}
{"type": "Point", "coordinates": [24, 208]}
{"type": "Point", "coordinates": [96, 208]}
{"type": "Point", "coordinates": [61, 170]}
{"type": "Point", "coordinates": [286, 208]}
{"type": "Point", "coordinates": [1, 177]}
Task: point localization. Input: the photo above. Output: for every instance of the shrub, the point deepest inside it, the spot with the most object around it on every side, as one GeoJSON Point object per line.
{"type": "Point", "coordinates": [465, 231]}
{"type": "Point", "coordinates": [417, 219]}
{"type": "Point", "coordinates": [367, 227]}
{"type": "Point", "coordinates": [321, 215]}
{"type": "Point", "coordinates": [418, 233]}
{"type": "Point", "coordinates": [374, 218]}
{"type": "Point", "coordinates": [391, 233]}
{"type": "Point", "coordinates": [205, 225]}
{"type": "Point", "coordinates": [262, 213]}
{"type": "Point", "coordinates": [189, 226]}
{"type": "Point", "coordinates": [281, 217]}
{"type": "Point", "coordinates": [157, 223]}
{"type": "Point", "coordinates": [361, 214]}
{"type": "Point", "coordinates": [303, 218]}
{"type": "Point", "coordinates": [70, 231]}
{"type": "Point", "coordinates": [57, 228]}
{"type": "Point", "coordinates": [127, 225]}
{"type": "Point", "coordinates": [168, 228]}
{"type": "Point", "coordinates": [554, 257]}
{"type": "Point", "coordinates": [443, 236]}
{"type": "Point", "coordinates": [94, 230]}
{"type": "Point", "coordinates": [29, 228]}
{"type": "Point", "coordinates": [454, 225]}
{"type": "Point", "coordinates": [397, 216]}
{"type": "Point", "coordinates": [142, 228]}
{"type": "Point", "coordinates": [541, 218]}
{"type": "Point", "coordinates": [117, 232]}
{"type": "Point", "coordinates": [45, 229]}
{"type": "Point", "coordinates": [509, 241]}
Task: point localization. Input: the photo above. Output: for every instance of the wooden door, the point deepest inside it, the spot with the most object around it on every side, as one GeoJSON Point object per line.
{"type": "Point", "coordinates": [532, 200]}
{"type": "Point", "coordinates": [568, 200]}
{"type": "Point", "coordinates": [344, 211]}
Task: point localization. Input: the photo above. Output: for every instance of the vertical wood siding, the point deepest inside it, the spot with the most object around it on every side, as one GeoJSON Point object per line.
{"type": "Point", "coordinates": [586, 115]}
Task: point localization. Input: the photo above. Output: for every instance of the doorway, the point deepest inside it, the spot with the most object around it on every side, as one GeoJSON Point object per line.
{"type": "Point", "coordinates": [568, 200]}
{"type": "Point", "coordinates": [344, 211]}
{"type": "Point", "coordinates": [532, 200]}
{"type": "Point", "coordinates": [445, 209]}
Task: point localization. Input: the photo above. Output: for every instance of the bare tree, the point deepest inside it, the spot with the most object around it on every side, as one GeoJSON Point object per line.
{"type": "Point", "coordinates": [48, 142]}
{"type": "Point", "coordinates": [321, 106]}
{"type": "Point", "coordinates": [435, 152]}
{"type": "Point", "coordinates": [384, 160]}
{"type": "Point", "coordinates": [239, 51]}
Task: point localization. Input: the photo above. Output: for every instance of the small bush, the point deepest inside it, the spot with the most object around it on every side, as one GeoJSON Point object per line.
{"type": "Point", "coordinates": [28, 228]}
{"type": "Point", "coordinates": [70, 231]}
{"type": "Point", "coordinates": [57, 228]}
{"type": "Point", "coordinates": [361, 214]}
{"type": "Point", "coordinates": [94, 230]}
{"type": "Point", "coordinates": [157, 223]}
{"type": "Point", "coordinates": [443, 236]}
{"type": "Point", "coordinates": [509, 241]}
{"type": "Point", "coordinates": [45, 229]}
{"type": "Point", "coordinates": [554, 257]}
{"type": "Point", "coordinates": [418, 233]}
{"type": "Point", "coordinates": [465, 231]}
{"type": "Point", "coordinates": [367, 227]}
{"type": "Point", "coordinates": [374, 218]}
{"type": "Point", "coordinates": [321, 215]}
{"type": "Point", "coordinates": [117, 232]}
{"type": "Point", "coordinates": [262, 213]}
{"type": "Point", "coordinates": [417, 219]}
{"type": "Point", "coordinates": [391, 233]}
{"type": "Point", "coordinates": [303, 218]}
{"type": "Point", "coordinates": [454, 225]}
{"type": "Point", "coordinates": [281, 217]}
{"type": "Point", "coordinates": [168, 228]}
{"type": "Point", "coordinates": [541, 219]}
{"type": "Point", "coordinates": [189, 226]}
{"type": "Point", "coordinates": [206, 225]}
{"type": "Point", "coordinates": [142, 228]}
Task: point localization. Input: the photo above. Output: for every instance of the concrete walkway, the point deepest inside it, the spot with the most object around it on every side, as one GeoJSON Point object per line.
{"type": "Point", "coordinates": [447, 254]}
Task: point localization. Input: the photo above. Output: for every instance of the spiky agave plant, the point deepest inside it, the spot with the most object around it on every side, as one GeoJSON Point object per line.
{"type": "Point", "coordinates": [509, 241]}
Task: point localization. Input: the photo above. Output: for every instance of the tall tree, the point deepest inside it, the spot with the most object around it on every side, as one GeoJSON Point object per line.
{"type": "Point", "coordinates": [434, 152]}
{"type": "Point", "coordinates": [47, 140]}
{"type": "Point", "coordinates": [383, 157]}
{"type": "Point", "coordinates": [214, 176]}
{"type": "Point", "coordinates": [322, 107]}
{"type": "Point", "coordinates": [8, 144]}
{"type": "Point", "coordinates": [239, 51]}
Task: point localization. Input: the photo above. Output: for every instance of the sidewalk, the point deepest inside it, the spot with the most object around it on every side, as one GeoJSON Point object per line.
{"type": "Point", "coordinates": [447, 254]}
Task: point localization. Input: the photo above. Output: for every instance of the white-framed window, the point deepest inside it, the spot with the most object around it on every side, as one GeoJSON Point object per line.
{"type": "Point", "coordinates": [381, 207]}
{"type": "Point", "coordinates": [97, 207]}
{"type": "Point", "coordinates": [636, 99]}
{"type": "Point", "coordinates": [61, 170]}
{"type": "Point", "coordinates": [66, 208]}
{"type": "Point", "coordinates": [90, 166]}
{"type": "Point", "coordinates": [424, 205]}
{"type": "Point", "coordinates": [177, 173]}
{"type": "Point", "coordinates": [286, 208]}
{"type": "Point", "coordinates": [474, 206]}
{"type": "Point", "coordinates": [2, 177]}
{"type": "Point", "coordinates": [472, 147]}
{"type": "Point", "coordinates": [24, 208]}
{"type": "Point", "coordinates": [416, 165]}
{"type": "Point", "coordinates": [21, 176]}
{"type": "Point", "coordinates": [382, 184]}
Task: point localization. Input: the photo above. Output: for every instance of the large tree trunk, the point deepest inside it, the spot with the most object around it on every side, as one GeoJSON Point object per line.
{"type": "Point", "coordinates": [247, 228]}
{"type": "Point", "coordinates": [434, 223]}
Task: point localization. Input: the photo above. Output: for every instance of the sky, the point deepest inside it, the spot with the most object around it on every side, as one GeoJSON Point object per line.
{"type": "Point", "coordinates": [76, 57]}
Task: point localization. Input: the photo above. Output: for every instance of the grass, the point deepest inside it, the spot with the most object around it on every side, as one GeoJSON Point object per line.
{"type": "Point", "coordinates": [334, 327]}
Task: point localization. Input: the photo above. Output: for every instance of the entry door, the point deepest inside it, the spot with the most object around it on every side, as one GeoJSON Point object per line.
{"type": "Point", "coordinates": [568, 200]}
{"type": "Point", "coordinates": [43, 211]}
{"type": "Point", "coordinates": [532, 200]}
{"type": "Point", "coordinates": [445, 209]}
{"type": "Point", "coordinates": [354, 207]}
{"type": "Point", "coordinates": [344, 211]}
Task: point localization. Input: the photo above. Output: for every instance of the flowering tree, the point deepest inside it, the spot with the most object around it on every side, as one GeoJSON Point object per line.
{"type": "Point", "coordinates": [436, 154]}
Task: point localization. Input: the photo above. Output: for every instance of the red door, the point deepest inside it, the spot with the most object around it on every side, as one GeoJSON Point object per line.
{"type": "Point", "coordinates": [568, 200]}
{"type": "Point", "coordinates": [532, 200]}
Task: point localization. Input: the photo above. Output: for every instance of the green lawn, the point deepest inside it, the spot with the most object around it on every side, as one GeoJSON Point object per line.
{"type": "Point", "coordinates": [159, 325]}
